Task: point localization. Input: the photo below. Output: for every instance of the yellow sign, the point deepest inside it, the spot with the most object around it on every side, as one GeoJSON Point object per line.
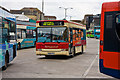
{"type": "Point", "coordinates": [48, 23]}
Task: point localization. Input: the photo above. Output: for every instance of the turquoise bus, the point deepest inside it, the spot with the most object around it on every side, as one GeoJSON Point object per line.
{"type": "Point", "coordinates": [97, 32]}
{"type": "Point", "coordinates": [26, 36]}
{"type": "Point", "coordinates": [8, 40]}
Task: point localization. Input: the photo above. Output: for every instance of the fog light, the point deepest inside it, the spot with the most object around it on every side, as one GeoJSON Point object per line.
{"type": "Point", "coordinates": [39, 49]}
{"type": "Point", "coordinates": [64, 50]}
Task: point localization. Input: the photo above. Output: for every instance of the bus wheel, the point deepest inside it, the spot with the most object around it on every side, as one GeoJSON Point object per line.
{"type": "Point", "coordinates": [73, 52]}
{"type": "Point", "coordinates": [19, 46]}
{"type": "Point", "coordinates": [6, 61]}
{"type": "Point", "coordinates": [82, 49]}
{"type": "Point", "coordinates": [47, 56]}
{"type": "Point", "coordinates": [35, 44]}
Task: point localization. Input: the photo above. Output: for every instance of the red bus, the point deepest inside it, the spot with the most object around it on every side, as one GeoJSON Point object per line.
{"type": "Point", "coordinates": [60, 37]}
{"type": "Point", "coordinates": [110, 39]}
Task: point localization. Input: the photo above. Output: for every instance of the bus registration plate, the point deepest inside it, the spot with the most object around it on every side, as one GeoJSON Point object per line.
{"type": "Point", "coordinates": [51, 53]}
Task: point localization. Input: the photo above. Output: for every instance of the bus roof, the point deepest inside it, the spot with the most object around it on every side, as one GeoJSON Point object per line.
{"type": "Point", "coordinates": [96, 26]}
{"type": "Point", "coordinates": [111, 6]}
{"type": "Point", "coordinates": [7, 15]}
{"type": "Point", "coordinates": [31, 28]}
{"type": "Point", "coordinates": [26, 27]}
{"type": "Point", "coordinates": [70, 23]}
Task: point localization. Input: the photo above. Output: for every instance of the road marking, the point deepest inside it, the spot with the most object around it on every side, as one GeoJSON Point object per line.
{"type": "Point", "coordinates": [87, 71]}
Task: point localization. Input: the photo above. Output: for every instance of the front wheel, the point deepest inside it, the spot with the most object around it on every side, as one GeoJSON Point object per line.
{"type": "Point", "coordinates": [19, 46]}
{"type": "Point", "coordinates": [73, 52]}
{"type": "Point", "coordinates": [6, 62]}
{"type": "Point", "coordinates": [82, 49]}
{"type": "Point", "coordinates": [47, 56]}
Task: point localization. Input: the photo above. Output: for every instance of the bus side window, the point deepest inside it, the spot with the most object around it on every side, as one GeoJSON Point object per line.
{"type": "Point", "coordinates": [18, 33]}
{"type": "Point", "coordinates": [23, 34]}
{"type": "Point", "coordinates": [74, 34]}
{"type": "Point", "coordinates": [118, 25]}
{"type": "Point", "coordinates": [79, 34]}
{"type": "Point", "coordinates": [34, 34]}
{"type": "Point", "coordinates": [29, 34]}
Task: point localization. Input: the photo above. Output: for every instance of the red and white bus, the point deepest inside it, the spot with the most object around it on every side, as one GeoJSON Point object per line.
{"type": "Point", "coordinates": [110, 39]}
{"type": "Point", "coordinates": [60, 37]}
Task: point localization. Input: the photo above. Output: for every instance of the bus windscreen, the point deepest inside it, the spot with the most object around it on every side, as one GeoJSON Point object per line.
{"type": "Point", "coordinates": [52, 34]}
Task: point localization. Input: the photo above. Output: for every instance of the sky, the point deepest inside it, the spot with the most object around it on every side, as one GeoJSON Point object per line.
{"type": "Point", "coordinates": [51, 7]}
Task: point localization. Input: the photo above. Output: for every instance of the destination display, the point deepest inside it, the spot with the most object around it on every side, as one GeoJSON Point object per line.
{"type": "Point", "coordinates": [52, 23]}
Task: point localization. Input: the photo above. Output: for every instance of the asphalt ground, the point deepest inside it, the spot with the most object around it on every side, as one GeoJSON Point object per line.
{"type": "Point", "coordinates": [28, 65]}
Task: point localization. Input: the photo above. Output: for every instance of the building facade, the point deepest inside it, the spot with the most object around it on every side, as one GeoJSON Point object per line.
{"type": "Point", "coordinates": [91, 20]}
{"type": "Point", "coordinates": [49, 17]}
{"type": "Point", "coordinates": [95, 21]}
{"type": "Point", "coordinates": [32, 13]}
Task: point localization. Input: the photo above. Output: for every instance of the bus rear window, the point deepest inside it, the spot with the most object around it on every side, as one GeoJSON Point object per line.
{"type": "Point", "coordinates": [118, 26]}
{"type": "Point", "coordinates": [109, 21]}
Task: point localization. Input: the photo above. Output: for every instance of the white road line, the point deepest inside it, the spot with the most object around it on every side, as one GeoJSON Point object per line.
{"type": "Point", "coordinates": [87, 71]}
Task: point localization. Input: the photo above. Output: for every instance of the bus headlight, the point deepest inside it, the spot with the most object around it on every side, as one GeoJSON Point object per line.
{"type": "Point", "coordinates": [39, 49]}
{"type": "Point", "coordinates": [64, 50]}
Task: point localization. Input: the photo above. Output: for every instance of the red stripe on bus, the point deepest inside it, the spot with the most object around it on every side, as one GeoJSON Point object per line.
{"type": "Point", "coordinates": [113, 58]}
{"type": "Point", "coordinates": [52, 45]}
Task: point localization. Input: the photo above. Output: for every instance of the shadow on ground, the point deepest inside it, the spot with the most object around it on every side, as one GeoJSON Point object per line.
{"type": "Point", "coordinates": [60, 57]}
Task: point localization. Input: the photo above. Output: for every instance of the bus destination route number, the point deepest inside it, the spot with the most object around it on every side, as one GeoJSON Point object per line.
{"type": "Point", "coordinates": [52, 23]}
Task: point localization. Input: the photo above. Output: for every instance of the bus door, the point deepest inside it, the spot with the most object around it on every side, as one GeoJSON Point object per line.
{"type": "Point", "coordinates": [71, 40]}
{"type": "Point", "coordinates": [110, 63]}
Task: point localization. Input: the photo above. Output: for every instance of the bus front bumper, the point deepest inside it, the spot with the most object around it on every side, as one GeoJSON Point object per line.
{"type": "Point", "coordinates": [53, 53]}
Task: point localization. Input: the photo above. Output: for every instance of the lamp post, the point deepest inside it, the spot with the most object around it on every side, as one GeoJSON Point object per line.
{"type": "Point", "coordinates": [65, 11]}
{"type": "Point", "coordinates": [41, 14]}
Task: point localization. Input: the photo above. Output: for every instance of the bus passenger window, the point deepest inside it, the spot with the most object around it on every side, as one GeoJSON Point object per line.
{"type": "Point", "coordinates": [74, 35]}
{"type": "Point", "coordinates": [23, 34]}
{"type": "Point", "coordinates": [29, 34]}
{"type": "Point", "coordinates": [118, 26]}
{"type": "Point", "coordinates": [34, 34]}
{"type": "Point", "coordinates": [79, 34]}
{"type": "Point", "coordinates": [18, 33]}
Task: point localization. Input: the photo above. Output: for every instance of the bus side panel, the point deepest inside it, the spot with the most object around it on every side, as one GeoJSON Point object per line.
{"type": "Point", "coordinates": [113, 58]}
{"type": "Point", "coordinates": [28, 42]}
{"type": "Point", "coordinates": [78, 43]}
{"type": "Point", "coordinates": [109, 62]}
{"type": "Point", "coordinates": [10, 50]}
{"type": "Point", "coordinates": [108, 71]}
{"type": "Point", "coordinates": [1, 57]}
{"type": "Point", "coordinates": [4, 49]}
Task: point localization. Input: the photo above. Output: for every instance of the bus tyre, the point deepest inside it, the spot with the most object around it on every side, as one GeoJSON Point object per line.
{"type": "Point", "coordinates": [82, 49]}
{"type": "Point", "coordinates": [6, 62]}
{"type": "Point", "coordinates": [35, 44]}
{"type": "Point", "coordinates": [73, 52]}
{"type": "Point", "coordinates": [47, 56]}
{"type": "Point", "coordinates": [19, 46]}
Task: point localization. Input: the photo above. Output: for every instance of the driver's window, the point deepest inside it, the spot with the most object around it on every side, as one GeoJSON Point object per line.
{"type": "Point", "coordinates": [118, 25]}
